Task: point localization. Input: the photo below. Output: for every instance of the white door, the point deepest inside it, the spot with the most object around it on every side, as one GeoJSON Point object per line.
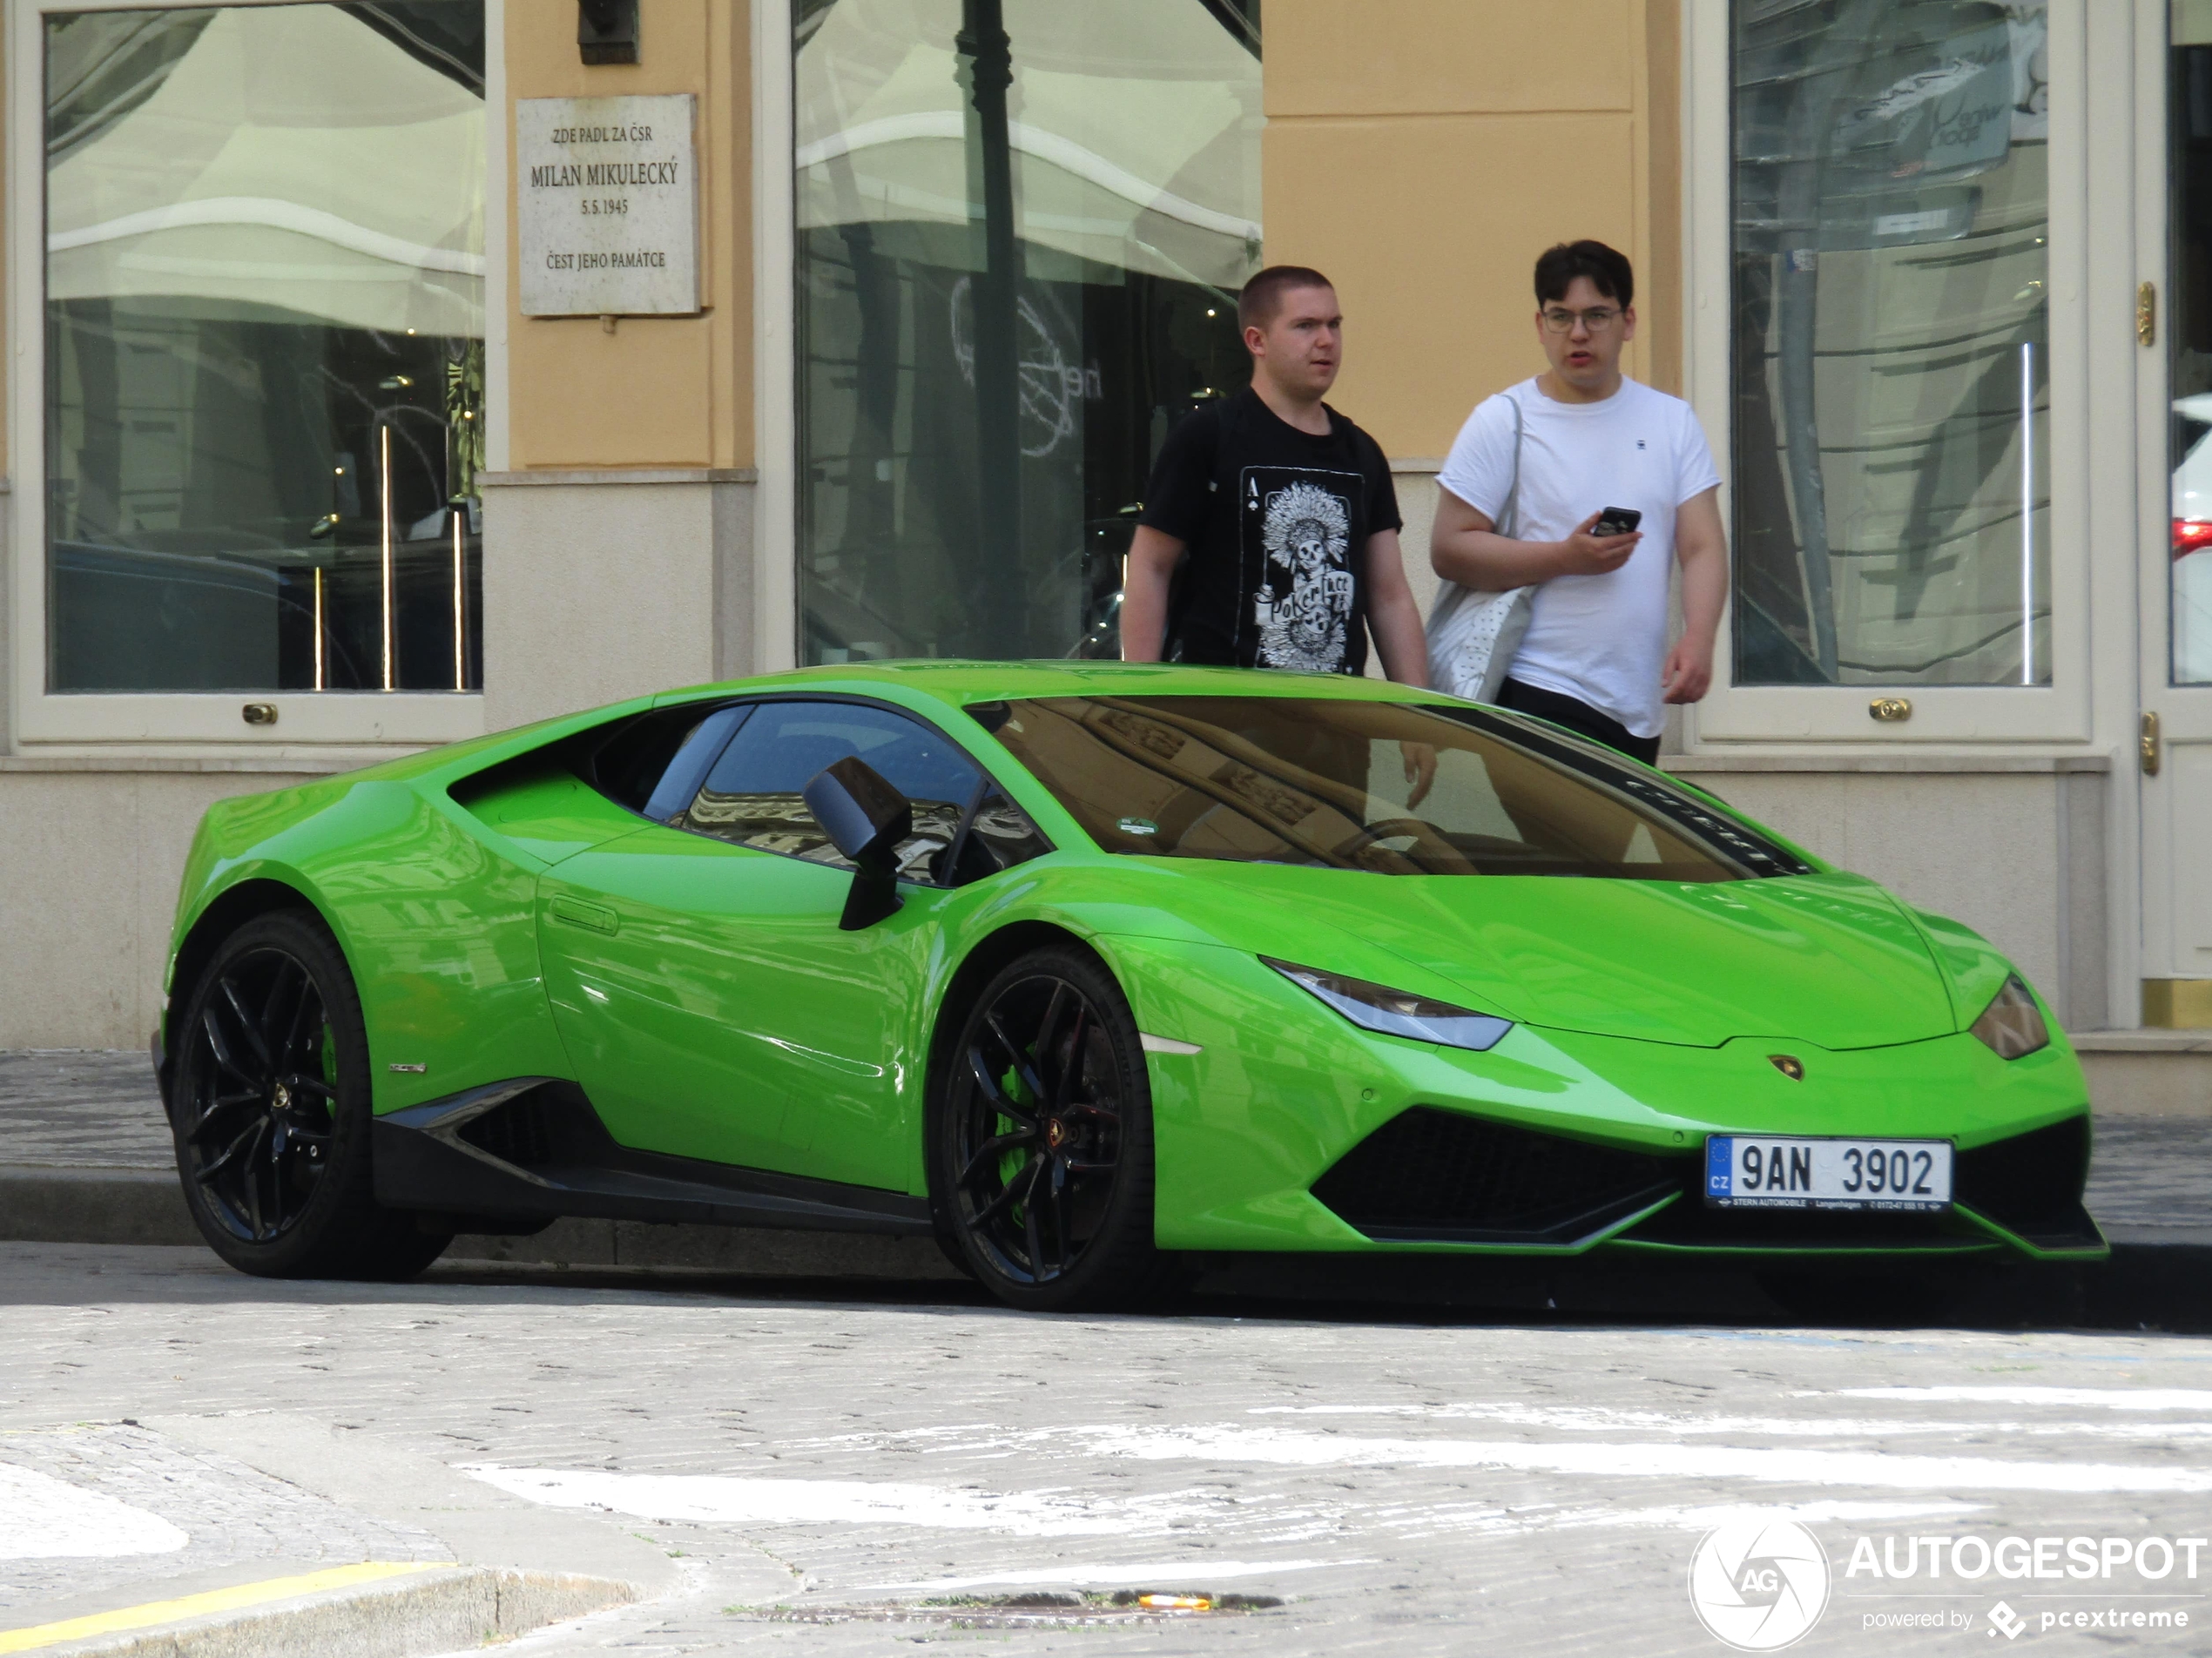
{"type": "Point", "coordinates": [2174, 99]}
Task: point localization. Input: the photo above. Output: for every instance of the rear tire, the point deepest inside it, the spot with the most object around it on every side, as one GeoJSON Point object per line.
{"type": "Point", "coordinates": [1041, 1141]}
{"type": "Point", "coordinates": [270, 1112]}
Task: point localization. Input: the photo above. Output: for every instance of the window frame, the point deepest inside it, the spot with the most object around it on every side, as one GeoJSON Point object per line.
{"type": "Point", "coordinates": [153, 721]}
{"type": "Point", "coordinates": [1817, 716]}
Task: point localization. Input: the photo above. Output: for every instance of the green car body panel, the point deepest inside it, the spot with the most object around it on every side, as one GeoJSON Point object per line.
{"type": "Point", "coordinates": [703, 996]}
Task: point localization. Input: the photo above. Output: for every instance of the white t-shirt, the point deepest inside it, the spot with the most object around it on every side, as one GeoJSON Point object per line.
{"type": "Point", "coordinates": [1600, 639]}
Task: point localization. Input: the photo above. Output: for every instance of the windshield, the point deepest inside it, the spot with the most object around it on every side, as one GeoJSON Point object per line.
{"type": "Point", "coordinates": [1392, 788]}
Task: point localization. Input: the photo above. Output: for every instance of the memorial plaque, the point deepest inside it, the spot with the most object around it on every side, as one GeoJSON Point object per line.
{"type": "Point", "coordinates": [608, 206]}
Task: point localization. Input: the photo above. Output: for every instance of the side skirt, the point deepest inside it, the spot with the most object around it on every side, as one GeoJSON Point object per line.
{"type": "Point", "coordinates": [532, 1150]}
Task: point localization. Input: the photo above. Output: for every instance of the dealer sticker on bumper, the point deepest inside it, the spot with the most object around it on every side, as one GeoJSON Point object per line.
{"type": "Point", "coordinates": [1747, 1171]}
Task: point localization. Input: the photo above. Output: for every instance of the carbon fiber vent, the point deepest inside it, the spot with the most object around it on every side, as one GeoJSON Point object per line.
{"type": "Point", "coordinates": [546, 1124]}
{"type": "Point", "coordinates": [1431, 1175]}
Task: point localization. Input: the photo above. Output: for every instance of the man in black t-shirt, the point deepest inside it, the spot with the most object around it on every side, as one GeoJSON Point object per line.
{"type": "Point", "coordinates": [1268, 537]}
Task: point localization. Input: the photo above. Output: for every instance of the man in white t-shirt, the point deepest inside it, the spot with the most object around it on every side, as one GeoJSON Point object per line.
{"type": "Point", "coordinates": [1595, 657]}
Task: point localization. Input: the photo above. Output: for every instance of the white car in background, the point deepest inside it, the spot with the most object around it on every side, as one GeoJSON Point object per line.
{"type": "Point", "coordinates": [2193, 548]}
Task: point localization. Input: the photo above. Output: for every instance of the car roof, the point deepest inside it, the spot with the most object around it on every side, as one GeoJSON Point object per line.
{"type": "Point", "coordinates": [961, 682]}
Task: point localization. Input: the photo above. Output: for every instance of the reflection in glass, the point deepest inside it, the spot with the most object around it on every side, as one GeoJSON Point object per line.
{"type": "Point", "coordinates": [1890, 354]}
{"type": "Point", "coordinates": [265, 347]}
{"type": "Point", "coordinates": [2189, 329]}
{"type": "Point", "coordinates": [1021, 225]}
{"type": "Point", "coordinates": [754, 795]}
{"type": "Point", "coordinates": [1324, 784]}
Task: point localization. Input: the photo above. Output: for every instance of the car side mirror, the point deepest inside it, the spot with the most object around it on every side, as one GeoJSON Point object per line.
{"type": "Point", "coordinates": [866, 818]}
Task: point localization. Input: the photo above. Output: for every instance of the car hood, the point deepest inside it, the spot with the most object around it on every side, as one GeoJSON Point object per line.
{"type": "Point", "coordinates": [1828, 957]}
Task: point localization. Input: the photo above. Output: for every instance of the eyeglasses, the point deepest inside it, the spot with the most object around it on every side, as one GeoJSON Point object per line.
{"type": "Point", "coordinates": [1597, 319]}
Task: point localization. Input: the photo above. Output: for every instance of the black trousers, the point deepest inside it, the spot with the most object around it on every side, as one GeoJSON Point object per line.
{"type": "Point", "coordinates": [1578, 717]}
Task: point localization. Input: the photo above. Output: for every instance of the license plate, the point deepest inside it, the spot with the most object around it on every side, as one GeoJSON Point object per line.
{"type": "Point", "coordinates": [1762, 1171]}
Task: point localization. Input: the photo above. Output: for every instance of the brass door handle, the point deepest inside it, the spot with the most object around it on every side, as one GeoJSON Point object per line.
{"type": "Point", "coordinates": [2147, 746]}
{"type": "Point", "coordinates": [2147, 313]}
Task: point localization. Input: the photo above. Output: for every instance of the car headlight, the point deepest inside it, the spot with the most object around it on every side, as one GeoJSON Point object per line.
{"type": "Point", "coordinates": [1397, 1013]}
{"type": "Point", "coordinates": [2013, 1024]}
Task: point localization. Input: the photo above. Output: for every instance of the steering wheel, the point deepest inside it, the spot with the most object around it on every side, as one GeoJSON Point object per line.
{"type": "Point", "coordinates": [1427, 840]}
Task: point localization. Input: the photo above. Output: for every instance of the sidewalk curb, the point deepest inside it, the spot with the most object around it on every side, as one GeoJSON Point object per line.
{"type": "Point", "coordinates": [2157, 1276]}
{"type": "Point", "coordinates": [44, 1203]}
{"type": "Point", "coordinates": [407, 1614]}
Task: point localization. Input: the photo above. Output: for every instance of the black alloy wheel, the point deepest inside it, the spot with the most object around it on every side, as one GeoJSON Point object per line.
{"type": "Point", "coordinates": [1044, 1139]}
{"type": "Point", "coordinates": [270, 1110]}
{"type": "Point", "coordinates": [262, 1114]}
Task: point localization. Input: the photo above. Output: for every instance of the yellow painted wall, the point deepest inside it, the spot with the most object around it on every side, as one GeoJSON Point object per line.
{"type": "Point", "coordinates": [659, 391]}
{"type": "Point", "coordinates": [1423, 152]}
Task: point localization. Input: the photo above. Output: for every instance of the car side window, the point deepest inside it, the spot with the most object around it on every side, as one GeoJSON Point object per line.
{"type": "Point", "coordinates": [999, 836]}
{"type": "Point", "coordinates": [653, 764]}
{"type": "Point", "coordinates": [751, 795]}
{"type": "Point", "coordinates": [701, 747]}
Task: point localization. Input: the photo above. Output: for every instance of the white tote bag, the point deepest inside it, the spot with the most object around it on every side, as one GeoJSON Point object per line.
{"type": "Point", "coordinates": [1472, 634]}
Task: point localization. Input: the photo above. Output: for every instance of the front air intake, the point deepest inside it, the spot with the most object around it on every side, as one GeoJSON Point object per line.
{"type": "Point", "coordinates": [1441, 1176]}
{"type": "Point", "coordinates": [2031, 1184]}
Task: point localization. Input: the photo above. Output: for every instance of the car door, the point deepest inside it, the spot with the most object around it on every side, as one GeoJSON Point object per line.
{"type": "Point", "coordinates": [708, 999]}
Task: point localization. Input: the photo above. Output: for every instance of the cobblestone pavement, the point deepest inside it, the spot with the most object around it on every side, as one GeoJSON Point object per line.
{"type": "Point", "coordinates": [2151, 1176]}
{"type": "Point", "coordinates": [210, 1511]}
{"type": "Point", "coordinates": [93, 1107]}
{"type": "Point", "coordinates": [1458, 1483]}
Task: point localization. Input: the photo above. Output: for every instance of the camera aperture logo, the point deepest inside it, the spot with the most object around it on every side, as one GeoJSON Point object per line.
{"type": "Point", "coordinates": [1759, 1584]}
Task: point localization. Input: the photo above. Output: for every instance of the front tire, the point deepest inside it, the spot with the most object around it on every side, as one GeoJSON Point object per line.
{"type": "Point", "coordinates": [271, 1113]}
{"type": "Point", "coordinates": [1041, 1153]}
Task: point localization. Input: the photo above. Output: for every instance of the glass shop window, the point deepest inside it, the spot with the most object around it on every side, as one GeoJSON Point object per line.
{"type": "Point", "coordinates": [265, 359]}
{"type": "Point", "coordinates": [2190, 221]}
{"type": "Point", "coordinates": [1021, 228]}
{"type": "Point", "coordinates": [1890, 356]}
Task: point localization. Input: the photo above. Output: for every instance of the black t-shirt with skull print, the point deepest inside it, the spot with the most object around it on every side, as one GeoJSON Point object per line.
{"type": "Point", "coordinates": [1277, 522]}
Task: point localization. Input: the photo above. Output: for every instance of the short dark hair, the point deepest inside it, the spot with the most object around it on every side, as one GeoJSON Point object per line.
{"type": "Point", "coordinates": [1609, 272]}
{"type": "Point", "coordinates": [1263, 296]}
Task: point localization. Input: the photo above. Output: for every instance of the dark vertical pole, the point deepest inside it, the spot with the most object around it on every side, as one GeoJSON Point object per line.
{"type": "Point", "coordinates": [1002, 591]}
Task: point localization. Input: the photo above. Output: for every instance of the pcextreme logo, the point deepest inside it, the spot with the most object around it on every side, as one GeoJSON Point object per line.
{"type": "Point", "coordinates": [1759, 1584]}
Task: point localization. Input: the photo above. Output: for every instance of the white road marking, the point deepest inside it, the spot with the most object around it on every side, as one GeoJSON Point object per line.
{"type": "Point", "coordinates": [2112, 1399]}
{"type": "Point", "coordinates": [722, 1499]}
{"type": "Point", "coordinates": [719, 1499]}
{"type": "Point", "coordinates": [1704, 1516]}
{"type": "Point", "coordinates": [1764, 1466]}
{"type": "Point", "coordinates": [1590, 1419]}
{"type": "Point", "coordinates": [43, 1518]}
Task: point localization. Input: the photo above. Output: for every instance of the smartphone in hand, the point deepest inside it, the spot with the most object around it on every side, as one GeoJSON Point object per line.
{"type": "Point", "coordinates": [1616, 521]}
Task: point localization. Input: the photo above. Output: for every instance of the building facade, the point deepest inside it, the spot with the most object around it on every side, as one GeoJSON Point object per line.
{"type": "Point", "coordinates": [326, 442]}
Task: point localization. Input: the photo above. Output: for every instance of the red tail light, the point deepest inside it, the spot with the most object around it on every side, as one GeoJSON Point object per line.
{"type": "Point", "coordinates": [2191, 535]}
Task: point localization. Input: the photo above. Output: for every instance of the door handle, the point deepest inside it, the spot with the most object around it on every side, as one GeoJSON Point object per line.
{"type": "Point", "coordinates": [596, 918]}
{"type": "Point", "coordinates": [2147, 746]}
